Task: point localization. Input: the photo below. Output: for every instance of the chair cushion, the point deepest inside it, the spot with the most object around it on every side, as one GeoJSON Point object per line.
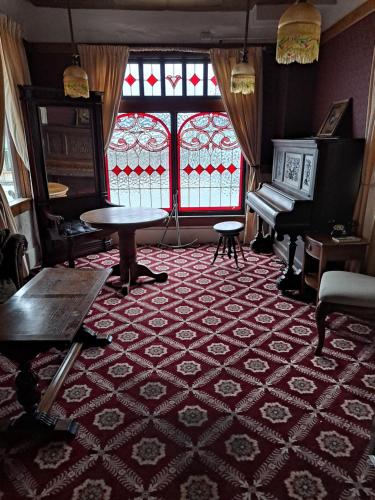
{"type": "Point", "coordinates": [229, 227]}
{"type": "Point", "coordinates": [351, 289]}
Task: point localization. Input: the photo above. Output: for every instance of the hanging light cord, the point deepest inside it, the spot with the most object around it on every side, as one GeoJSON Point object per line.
{"type": "Point", "coordinates": [72, 41]}
{"type": "Point", "coordinates": [244, 56]}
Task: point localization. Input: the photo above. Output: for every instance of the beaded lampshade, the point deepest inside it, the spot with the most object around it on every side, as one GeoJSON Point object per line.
{"type": "Point", "coordinates": [298, 34]}
{"type": "Point", "coordinates": [243, 73]}
{"type": "Point", "coordinates": [76, 82]}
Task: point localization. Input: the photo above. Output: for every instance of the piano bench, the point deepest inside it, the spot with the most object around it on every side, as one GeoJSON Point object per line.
{"type": "Point", "coordinates": [229, 235]}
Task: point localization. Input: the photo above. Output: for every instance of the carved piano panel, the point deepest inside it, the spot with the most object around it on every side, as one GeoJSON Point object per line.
{"type": "Point", "coordinates": [314, 181]}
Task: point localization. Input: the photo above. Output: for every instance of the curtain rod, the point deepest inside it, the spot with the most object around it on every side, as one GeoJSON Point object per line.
{"type": "Point", "coordinates": [169, 49]}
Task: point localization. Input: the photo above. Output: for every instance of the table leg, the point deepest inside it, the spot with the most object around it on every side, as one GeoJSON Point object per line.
{"type": "Point", "coordinates": [128, 269]}
{"type": "Point", "coordinates": [28, 395]}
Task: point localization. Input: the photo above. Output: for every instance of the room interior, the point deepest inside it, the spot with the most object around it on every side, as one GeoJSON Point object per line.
{"type": "Point", "coordinates": [187, 249]}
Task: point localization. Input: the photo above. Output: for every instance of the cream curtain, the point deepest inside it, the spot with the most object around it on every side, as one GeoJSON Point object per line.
{"type": "Point", "coordinates": [364, 211]}
{"type": "Point", "coordinates": [16, 72]}
{"type": "Point", "coordinates": [105, 66]}
{"type": "Point", "coordinates": [245, 113]}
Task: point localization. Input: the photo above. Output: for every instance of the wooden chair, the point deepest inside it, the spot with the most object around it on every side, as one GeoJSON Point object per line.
{"type": "Point", "coordinates": [344, 292]}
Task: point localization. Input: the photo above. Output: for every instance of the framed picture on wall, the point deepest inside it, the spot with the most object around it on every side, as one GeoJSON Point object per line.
{"type": "Point", "coordinates": [333, 118]}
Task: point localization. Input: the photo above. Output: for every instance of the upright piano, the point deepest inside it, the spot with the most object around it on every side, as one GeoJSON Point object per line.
{"type": "Point", "coordinates": [315, 182]}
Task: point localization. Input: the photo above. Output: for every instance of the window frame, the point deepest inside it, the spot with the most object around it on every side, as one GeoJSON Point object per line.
{"type": "Point", "coordinates": [180, 104]}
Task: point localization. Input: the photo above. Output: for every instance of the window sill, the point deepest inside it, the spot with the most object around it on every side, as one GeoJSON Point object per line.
{"type": "Point", "coordinates": [20, 205]}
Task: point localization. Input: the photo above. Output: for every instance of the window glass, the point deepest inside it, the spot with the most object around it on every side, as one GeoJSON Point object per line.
{"type": "Point", "coordinates": [138, 160]}
{"type": "Point", "coordinates": [7, 177]}
{"type": "Point", "coordinates": [194, 79]}
{"type": "Point", "coordinates": [212, 86]}
{"type": "Point", "coordinates": [151, 79]}
{"type": "Point", "coordinates": [131, 80]}
{"type": "Point", "coordinates": [173, 79]}
{"type": "Point", "coordinates": [209, 162]}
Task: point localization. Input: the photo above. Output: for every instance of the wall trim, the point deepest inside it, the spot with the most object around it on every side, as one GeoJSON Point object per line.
{"type": "Point", "coordinates": [349, 20]}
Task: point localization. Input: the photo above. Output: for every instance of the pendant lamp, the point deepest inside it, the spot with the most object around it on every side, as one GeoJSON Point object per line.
{"type": "Point", "coordinates": [76, 82]}
{"type": "Point", "coordinates": [243, 73]}
{"type": "Point", "coordinates": [298, 34]}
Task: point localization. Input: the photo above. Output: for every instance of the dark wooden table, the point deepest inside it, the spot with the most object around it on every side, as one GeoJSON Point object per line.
{"type": "Point", "coordinates": [47, 312]}
{"type": "Point", "coordinates": [126, 221]}
{"type": "Point", "coordinates": [322, 249]}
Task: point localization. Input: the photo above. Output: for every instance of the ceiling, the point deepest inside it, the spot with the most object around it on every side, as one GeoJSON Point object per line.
{"type": "Point", "coordinates": [171, 5]}
{"type": "Point", "coordinates": [158, 22]}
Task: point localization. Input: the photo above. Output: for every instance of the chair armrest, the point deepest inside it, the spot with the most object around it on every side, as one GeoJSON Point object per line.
{"type": "Point", "coordinates": [13, 252]}
{"type": "Point", "coordinates": [58, 219]}
{"type": "Point", "coordinates": [108, 203]}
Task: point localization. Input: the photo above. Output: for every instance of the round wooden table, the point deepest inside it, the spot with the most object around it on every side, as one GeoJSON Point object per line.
{"type": "Point", "coordinates": [126, 221]}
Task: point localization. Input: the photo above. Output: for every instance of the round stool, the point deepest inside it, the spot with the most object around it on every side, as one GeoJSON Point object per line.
{"type": "Point", "coordinates": [229, 232]}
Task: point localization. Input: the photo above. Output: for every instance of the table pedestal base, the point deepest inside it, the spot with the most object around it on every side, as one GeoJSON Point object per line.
{"type": "Point", "coordinates": [128, 269]}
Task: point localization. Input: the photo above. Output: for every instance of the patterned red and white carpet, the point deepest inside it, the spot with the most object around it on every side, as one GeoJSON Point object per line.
{"type": "Point", "coordinates": [210, 390]}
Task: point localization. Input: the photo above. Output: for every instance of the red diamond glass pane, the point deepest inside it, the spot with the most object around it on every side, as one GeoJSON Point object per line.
{"type": "Point", "coordinates": [195, 79]}
{"type": "Point", "coordinates": [210, 163]}
{"type": "Point", "coordinates": [116, 170]}
{"type": "Point", "coordinates": [130, 79]}
{"type": "Point", "coordinates": [152, 80]}
{"type": "Point", "coordinates": [140, 145]}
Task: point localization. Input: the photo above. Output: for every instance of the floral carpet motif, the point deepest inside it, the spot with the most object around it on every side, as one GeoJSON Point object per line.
{"type": "Point", "coordinates": [210, 390]}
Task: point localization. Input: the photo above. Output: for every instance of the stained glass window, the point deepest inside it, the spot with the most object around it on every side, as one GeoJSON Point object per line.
{"type": "Point", "coordinates": [173, 79]}
{"type": "Point", "coordinates": [151, 79]}
{"type": "Point", "coordinates": [212, 86]}
{"type": "Point", "coordinates": [209, 162]}
{"type": "Point", "coordinates": [138, 160]}
{"type": "Point", "coordinates": [131, 80]}
{"type": "Point", "coordinates": [194, 79]}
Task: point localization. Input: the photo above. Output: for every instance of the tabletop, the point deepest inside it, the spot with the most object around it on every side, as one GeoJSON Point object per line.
{"type": "Point", "coordinates": [123, 217]}
{"type": "Point", "coordinates": [51, 306]}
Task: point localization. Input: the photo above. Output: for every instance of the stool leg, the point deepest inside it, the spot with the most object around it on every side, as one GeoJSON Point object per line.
{"type": "Point", "coordinates": [217, 249]}
{"type": "Point", "coordinates": [234, 251]}
{"type": "Point", "coordinates": [241, 249]}
{"type": "Point", "coordinates": [321, 312]}
{"type": "Point", "coordinates": [225, 243]}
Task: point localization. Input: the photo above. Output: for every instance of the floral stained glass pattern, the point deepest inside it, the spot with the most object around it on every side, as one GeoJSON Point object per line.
{"type": "Point", "coordinates": [173, 79]}
{"type": "Point", "coordinates": [210, 162]}
{"type": "Point", "coordinates": [138, 160]}
{"type": "Point", "coordinates": [131, 86]}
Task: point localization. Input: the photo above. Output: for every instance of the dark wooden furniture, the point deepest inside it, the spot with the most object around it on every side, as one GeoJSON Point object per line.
{"type": "Point", "coordinates": [347, 293]}
{"type": "Point", "coordinates": [322, 251]}
{"type": "Point", "coordinates": [314, 182]}
{"type": "Point", "coordinates": [229, 235]}
{"type": "Point", "coordinates": [47, 312]}
{"type": "Point", "coordinates": [12, 250]}
{"type": "Point", "coordinates": [126, 221]}
{"type": "Point", "coordinates": [66, 153]}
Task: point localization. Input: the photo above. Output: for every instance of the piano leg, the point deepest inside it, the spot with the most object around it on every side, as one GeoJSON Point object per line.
{"type": "Point", "coordinates": [289, 280]}
{"type": "Point", "coordinates": [261, 243]}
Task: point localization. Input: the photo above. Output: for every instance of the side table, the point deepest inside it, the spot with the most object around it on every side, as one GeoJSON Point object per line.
{"type": "Point", "coordinates": [321, 249]}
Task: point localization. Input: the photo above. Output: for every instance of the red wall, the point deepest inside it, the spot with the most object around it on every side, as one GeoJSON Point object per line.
{"type": "Point", "coordinates": [343, 71]}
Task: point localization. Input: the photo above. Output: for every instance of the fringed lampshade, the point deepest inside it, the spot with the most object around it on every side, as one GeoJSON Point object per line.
{"type": "Point", "coordinates": [298, 34]}
{"type": "Point", "coordinates": [76, 82]}
{"type": "Point", "coordinates": [243, 73]}
{"type": "Point", "coordinates": [243, 78]}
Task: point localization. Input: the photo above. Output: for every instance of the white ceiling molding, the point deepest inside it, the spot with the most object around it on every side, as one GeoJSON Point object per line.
{"type": "Point", "coordinates": [43, 24]}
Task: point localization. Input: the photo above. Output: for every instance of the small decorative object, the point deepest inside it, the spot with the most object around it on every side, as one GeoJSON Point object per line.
{"type": "Point", "coordinates": [333, 119]}
{"type": "Point", "coordinates": [338, 230]}
{"type": "Point", "coordinates": [83, 116]}
{"type": "Point", "coordinates": [76, 82]}
{"type": "Point", "coordinates": [243, 73]}
{"type": "Point", "coordinates": [298, 34]}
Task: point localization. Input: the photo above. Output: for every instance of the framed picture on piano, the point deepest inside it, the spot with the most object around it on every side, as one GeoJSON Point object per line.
{"type": "Point", "coordinates": [333, 119]}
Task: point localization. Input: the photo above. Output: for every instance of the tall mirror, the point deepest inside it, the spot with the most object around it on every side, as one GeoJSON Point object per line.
{"type": "Point", "coordinates": [68, 150]}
